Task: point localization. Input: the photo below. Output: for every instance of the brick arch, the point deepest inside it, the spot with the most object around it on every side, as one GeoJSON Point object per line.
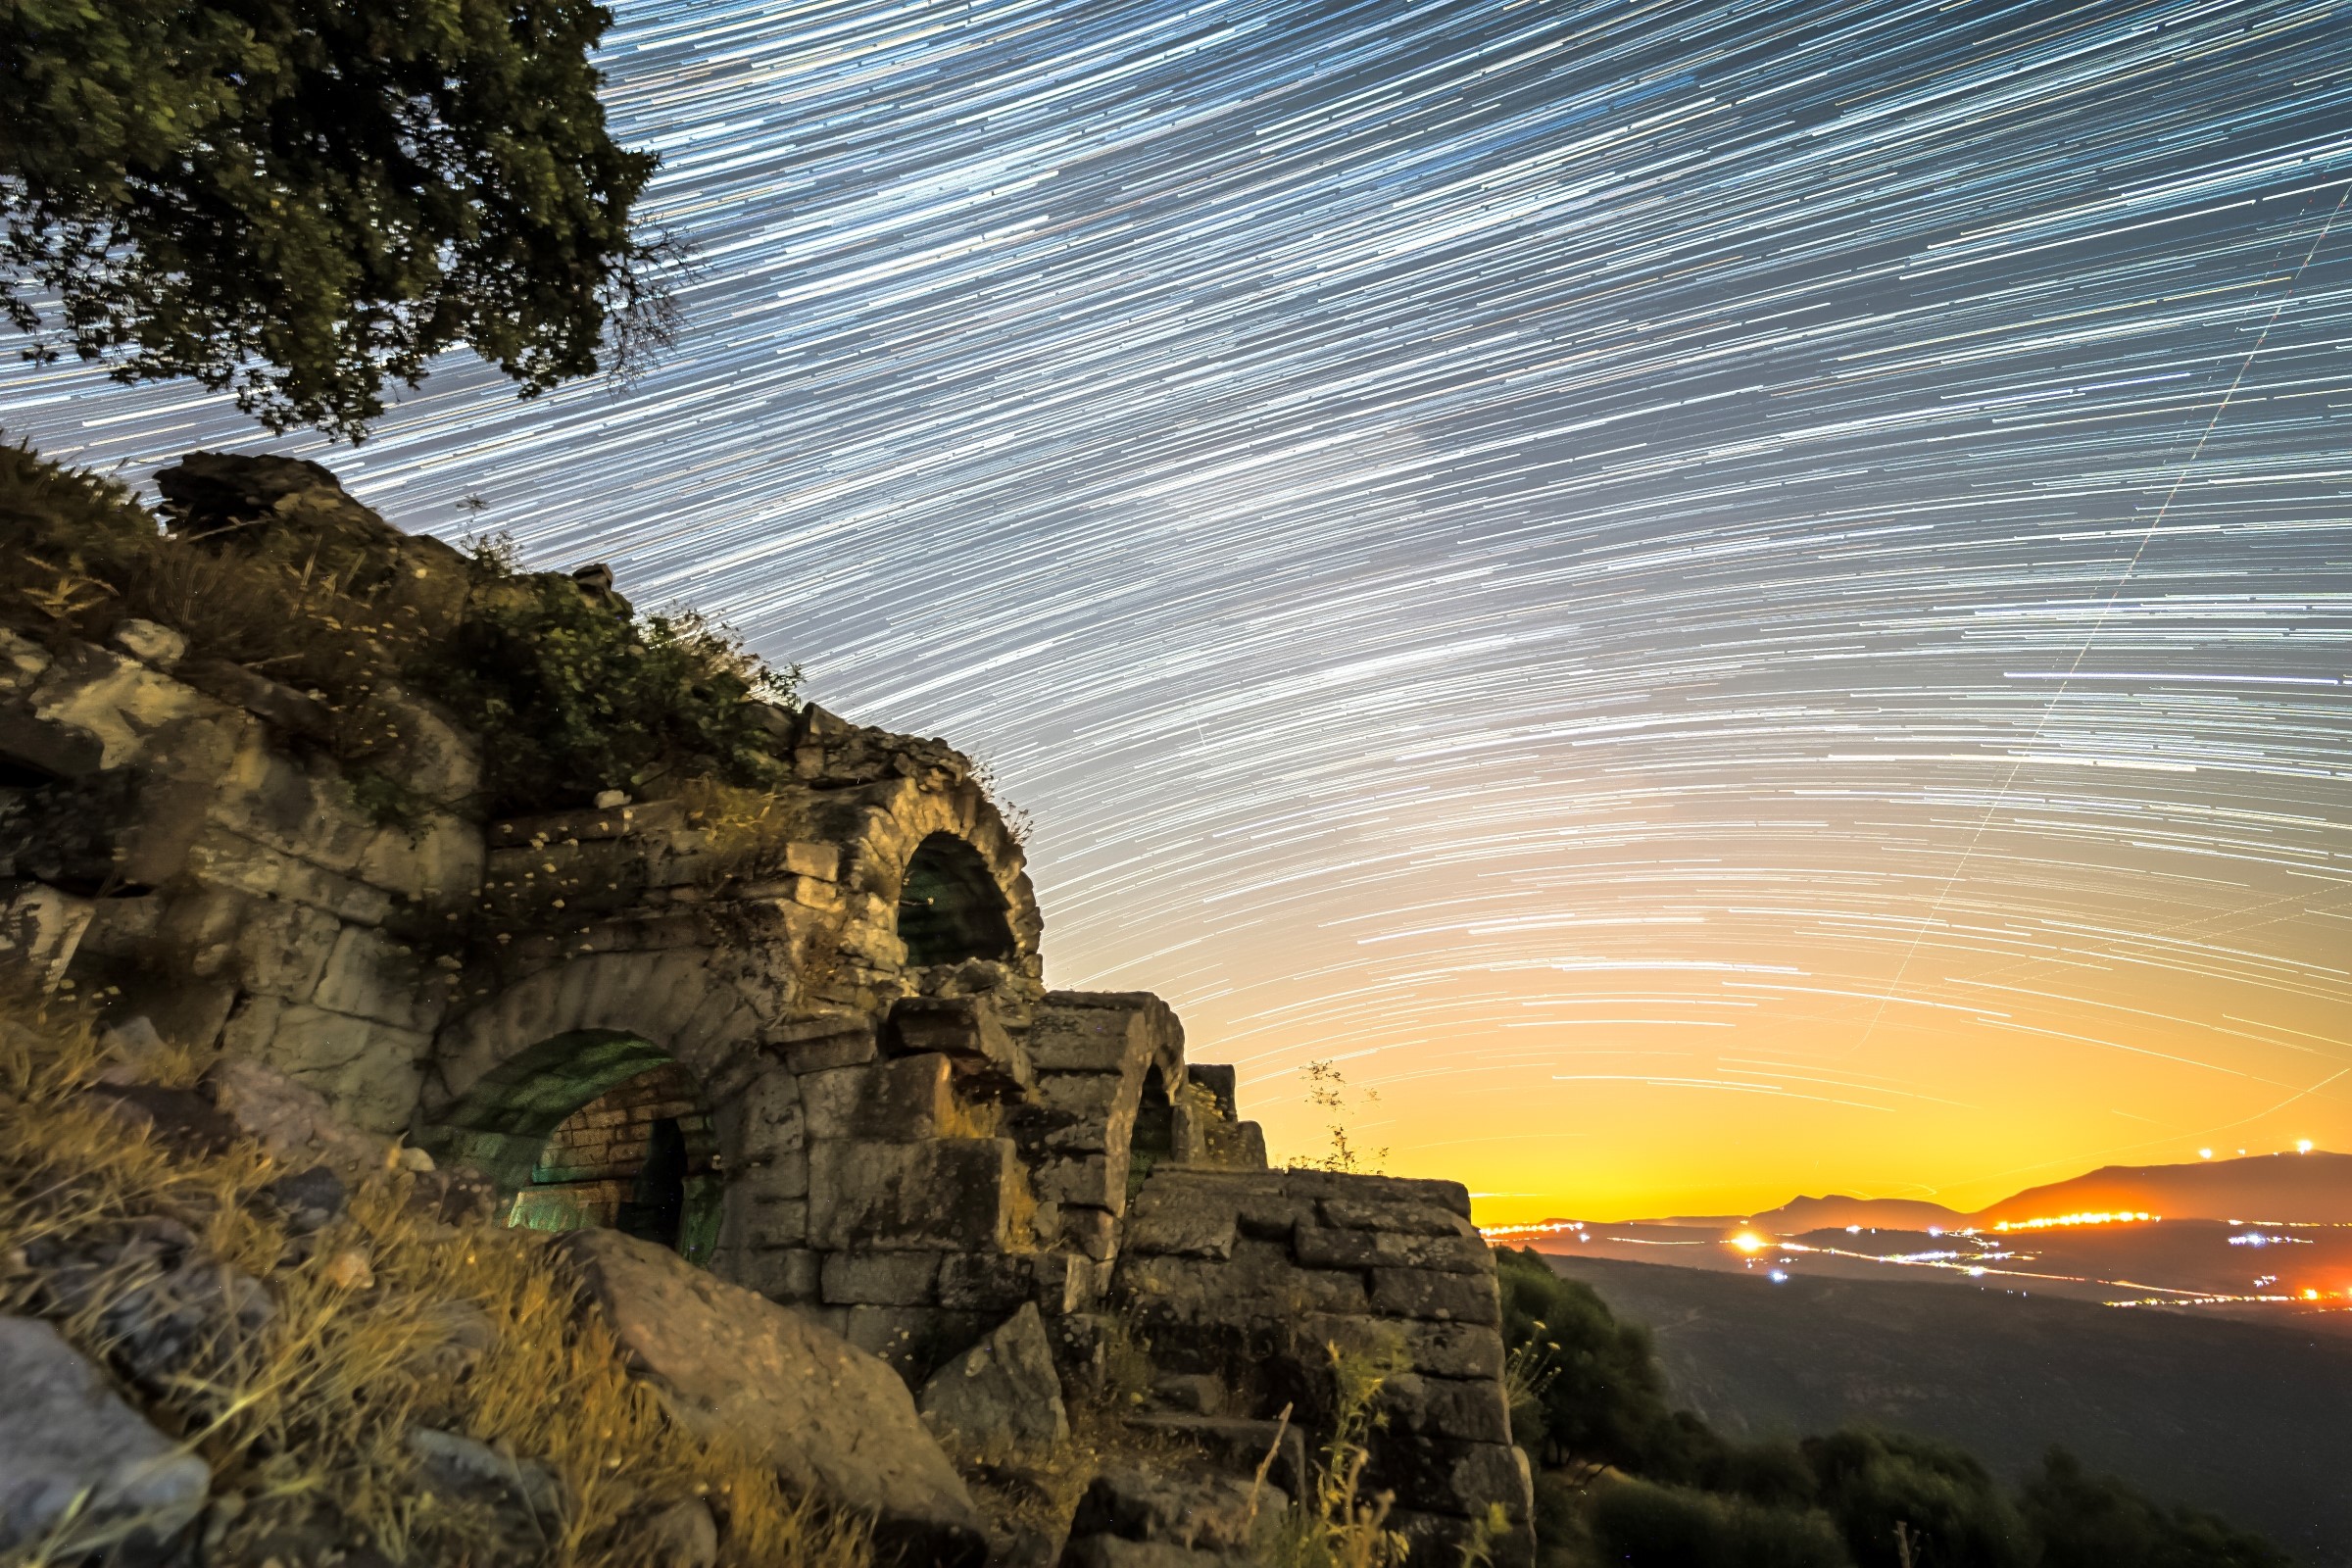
{"type": "Point", "coordinates": [674, 1000]}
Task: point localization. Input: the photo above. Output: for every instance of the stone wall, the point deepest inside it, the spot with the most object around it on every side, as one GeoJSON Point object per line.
{"type": "Point", "coordinates": [909, 1151]}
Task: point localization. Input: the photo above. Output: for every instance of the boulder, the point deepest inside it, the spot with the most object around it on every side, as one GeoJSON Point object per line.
{"type": "Point", "coordinates": [291, 1121]}
{"type": "Point", "coordinates": [65, 1435]}
{"type": "Point", "coordinates": [1003, 1393]}
{"type": "Point", "coordinates": [835, 1422]}
{"type": "Point", "coordinates": [1177, 1519]}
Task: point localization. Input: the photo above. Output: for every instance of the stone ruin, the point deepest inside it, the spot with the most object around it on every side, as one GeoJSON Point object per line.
{"type": "Point", "coordinates": [829, 1069]}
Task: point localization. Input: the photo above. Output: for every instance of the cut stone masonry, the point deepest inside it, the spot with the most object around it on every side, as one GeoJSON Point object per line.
{"type": "Point", "coordinates": [876, 1112]}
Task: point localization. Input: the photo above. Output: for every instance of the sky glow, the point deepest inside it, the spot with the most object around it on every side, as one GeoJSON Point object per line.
{"type": "Point", "coordinates": [1718, 599]}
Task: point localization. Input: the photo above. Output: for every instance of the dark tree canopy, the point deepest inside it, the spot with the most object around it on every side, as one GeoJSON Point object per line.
{"type": "Point", "coordinates": [304, 199]}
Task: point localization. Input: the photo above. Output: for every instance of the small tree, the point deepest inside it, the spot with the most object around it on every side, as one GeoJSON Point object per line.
{"type": "Point", "coordinates": [304, 199]}
{"type": "Point", "coordinates": [1327, 1090]}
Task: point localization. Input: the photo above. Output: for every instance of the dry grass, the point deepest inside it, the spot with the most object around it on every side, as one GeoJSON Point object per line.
{"type": "Point", "coordinates": [305, 1421]}
{"type": "Point", "coordinates": [1337, 1527]}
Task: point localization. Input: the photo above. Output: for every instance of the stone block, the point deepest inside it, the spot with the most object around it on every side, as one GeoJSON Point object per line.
{"type": "Point", "coordinates": [418, 744]}
{"type": "Point", "coordinates": [1431, 1293]}
{"type": "Point", "coordinates": [826, 1040]}
{"type": "Point", "coordinates": [833, 1100]}
{"type": "Point", "coordinates": [1216, 1079]}
{"type": "Point", "coordinates": [989, 1283]}
{"type": "Point", "coordinates": [1452, 1197]}
{"type": "Point", "coordinates": [726, 1363]}
{"type": "Point", "coordinates": [822, 861]}
{"type": "Point", "coordinates": [268, 945]}
{"type": "Point", "coordinates": [130, 709]}
{"type": "Point", "coordinates": [1408, 1219]}
{"type": "Point", "coordinates": [368, 975]}
{"type": "Point", "coordinates": [1321, 1247]}
{"type": "Point", "coordinates": [1186, 1219]}
{"type": "Point", "coordinates": [967, 1030]}
{"type": "Point", "coordinates": [908, 1099]}
{"type": "Point", "coordinates": [291, 712]}
{"type": "Point", "coordinates": [369, 1072]}
{"type": "Point", "coordinates": [1236, 1144]}
{"type": "Point", "coordinates": [1257, 1284]}
{"type": "Point", "coordinates": [1089, 1038]}
{"type": "Point", "coordinates": [952, 1193]}
{"type": "Point", "coordinates": [1092, 1232]}
{"type": "Point", "coordinates": [792, 1275]}
{"type": "Point", "coordinates": [1093, 1181]}
{"type": "Point", "coordinates": [1002, 1394]}
{"type": "Point", "coordinates": [761, 1121]}
{"type": "Point", "coordinates": [881, 1278]}
{"type": "Point", "coordinates": [1095, 1111]}
{"type": "Point", "coordinates": [1470, 1410]}
{"type": "Point", "coordinates": [230, 859]}
{"type": "Point", "coordinates": [298, 807]}
{"type": "Point", "coordinates": [440, 861]}
{"type": "Point", "coordinates": [149, 643]}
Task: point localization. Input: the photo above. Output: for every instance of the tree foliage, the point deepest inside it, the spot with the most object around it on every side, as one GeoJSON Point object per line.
{"type": "Point", "coordinates": [1675, 1493]}
{"type": "Point", "coordinates": [302, 200]}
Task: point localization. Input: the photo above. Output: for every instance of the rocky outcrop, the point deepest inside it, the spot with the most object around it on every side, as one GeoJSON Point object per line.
{"type": "Point", "coordinates": [871, 1110]}
{"type": "Point", "coordinates": [74, 1458]}
{"type": "Point", "coordinates": [834, 1422]}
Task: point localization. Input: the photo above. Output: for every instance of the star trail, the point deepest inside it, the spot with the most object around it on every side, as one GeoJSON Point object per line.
{"type": "Point", "coordinates": [1713, 599]}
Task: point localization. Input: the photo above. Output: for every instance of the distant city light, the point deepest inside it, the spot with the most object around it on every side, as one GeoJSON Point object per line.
{"type": "Point", "coordinates": [2121, 1216]}
{"type": "Point", "coordinates": [2302, 1146]}
{"type": "Point", "coordinates": [2204, 1153]}
{"type": "Point", "coordinates": [1780, 1276]}
{"type": "Point", "coordinates": [1750, 1243]}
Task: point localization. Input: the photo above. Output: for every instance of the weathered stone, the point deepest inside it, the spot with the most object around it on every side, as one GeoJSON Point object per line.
{"type": "Point", "coordinates": [952, 1193]}
{"type": "Point", "coordinates": [417, 742]}
{"type": "Point", "coordinates": [1186, 1219]}
{"type": "Point", "coordinates": [1109, 1552]}
{"type": "Point", "coordinates": [119, 701]}
{"type": "Point", "coordinates": [816, 1044]}
{"type": "Point", "coordinates": [301, 807]}
{"type": "Point", "coordinates": [459, 1466]}
{"type": "Point", "coordinates": [1405, 1219]}
{"type": "Point", "coordinates": [231, 860]}
{"type": "Point", "coordinates": [819, 860]}
{"type": "Point", "coordinates": [910, 1098]}
{"type": "Point", "coordinates": [149, 643]}
{"type": "Point", "coordinates": [307, 1200]}
{"type": "Point", "coordinates": [1474, 1410]}
{"type": "Point", "coordinates": [1093, 1231]}
{"type": "Point", "coordinates": [763, 1122]}
{"type": "Point", "coordinates": [989, 1283]}
{"type": "Point", "coordinates": [290, 1119]}
{"type": "Point", "coordinates": [683, 1536]}
{"type": "Point", "coordinates": [967, 1031]}
{"type": "Point", "coordinates": [177, 1119]}
{"type": "Point", "coordinates": [1198, 1513]}
{"type": "Point", "coordinates": [1097, 1110]}
{"type": "Point", "coordinates": [1002, 1394]}
{"type": "Point", "coordinates": [834, 1422]}
{"type": "Point", "coordinates": [292, 712]}
{"type": "Point", "coordinates": [1320, 1246]}
{"type": "Point", "coordinates": [369, 1072]}
{"type": "Point", "coordinates": [68, 1443]}
{"type": "Point", "coordinates": [1238, 1445]}
{"type": "Point", "coordinates": [1236, 1144]}
{"type": "Point", "coordinates": [267, 945]}
{"type": "Point", "coordinates": [880, 1279]}
{"type": "Point", "coordinates": [40, 928]}
{"type": "Point", "coordinates": [833, 1100]}
{"type": "Point", "coordinates": [1217, 1080]}
{"type": "Point", "coordinates": [440, 859]}
{"type": "Point", "coordinates": [1426, 1293]}
{"type": "Point", "coordinates": [1096, 1181]}
{"type": "Point", "coordinates": [371, 976]}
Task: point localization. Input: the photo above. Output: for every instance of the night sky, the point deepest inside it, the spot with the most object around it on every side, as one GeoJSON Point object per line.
{"type": "Point", "coordinates": [1715, 600]}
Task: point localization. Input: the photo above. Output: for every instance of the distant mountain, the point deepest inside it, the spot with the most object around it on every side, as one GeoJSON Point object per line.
{"type": "Point", "coordinates": [1836, 1213]}
{"type": "Point", "coordinates": [2314, 1188]}
{"type": "Point", "coordinates": [2242, 1418]}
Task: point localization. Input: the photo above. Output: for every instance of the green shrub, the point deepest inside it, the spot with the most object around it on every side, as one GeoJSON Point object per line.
{"type": "Point", "coordinates": [1911, 1502]}
{"type": "Point", "coordinates": [1595, 1389]}
{"type": "Point", "coordinates": [1650, 1526]}
{"type": "Point", "coordinates": [2086, 1521]}
{"type": "Point", "coordinates": [579, 695]}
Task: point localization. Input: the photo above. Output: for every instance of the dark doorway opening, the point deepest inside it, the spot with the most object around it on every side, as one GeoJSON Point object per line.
{"type": "Point", "coordinates": [950, 907]}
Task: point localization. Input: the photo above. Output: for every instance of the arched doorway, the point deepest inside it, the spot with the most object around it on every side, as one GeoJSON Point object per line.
{"type": "Point", "coordinates": [1155, 1137]}
{"type": "Point", "coordinates": [594, 1128]}
{"type": "Point", "coordinates": [950, 907]}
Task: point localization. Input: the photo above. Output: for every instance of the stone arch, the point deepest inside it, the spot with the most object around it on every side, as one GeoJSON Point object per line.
{"type": "Point", "coordinates": [950, 907]}
{"type": "Point", "coordinates": [675, 996]}
{"type": "Point", "coordinates": [882, 833]}
{"type": "Point", "coordinates": [588, 1128]}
